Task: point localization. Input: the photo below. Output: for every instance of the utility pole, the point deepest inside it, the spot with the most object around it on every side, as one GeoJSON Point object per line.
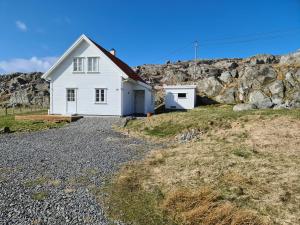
{"type": "Point", "coordinates": [196, 45]}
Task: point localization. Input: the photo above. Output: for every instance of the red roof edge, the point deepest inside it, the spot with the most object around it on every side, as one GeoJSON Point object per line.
{"type": "Point", "coordinates": [123, 66]}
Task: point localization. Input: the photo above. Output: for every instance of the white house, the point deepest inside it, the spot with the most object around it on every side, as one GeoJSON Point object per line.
{"type": "Point", "coordinates": [89, 80]}
{"type": "Point", "coordinates": [180, 96]}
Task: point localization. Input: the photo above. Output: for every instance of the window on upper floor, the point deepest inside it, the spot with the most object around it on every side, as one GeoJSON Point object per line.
{"type": "Point", "coordinates": [78, 64]}
{"type": "Point", "coordinates": [100, 95]}
{"type": "Point", "coordinates": [93, 64]}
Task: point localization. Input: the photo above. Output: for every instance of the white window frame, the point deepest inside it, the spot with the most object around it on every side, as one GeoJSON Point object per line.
{"type": "Point", "coordinates": [76, 61]}
{"type": "Point", "coordinates": [98, 99]}
{"type": "Point", "coordinates": [95, 60]}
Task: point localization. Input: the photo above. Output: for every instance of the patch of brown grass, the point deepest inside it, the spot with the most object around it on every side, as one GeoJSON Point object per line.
{"type": "Point", "coordinates": [205, 206]}
{"type": "Point", "coordinates": [246, 172]}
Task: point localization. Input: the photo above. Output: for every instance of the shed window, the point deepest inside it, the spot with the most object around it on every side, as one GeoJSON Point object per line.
{"type": "Point", "coordinates": [78, 64]}
{"type": "Point", "coordinates": [93, 64]}
{"type": "Point", "coordinates": [100, 95]}
{"type": "Point", "coordinates": [181, 95]}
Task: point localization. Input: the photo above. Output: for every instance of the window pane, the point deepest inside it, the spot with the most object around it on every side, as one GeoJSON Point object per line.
{"type": "Point", "coordinates": [71, 95]}
{"type": "Point", "coordinates": [97, 95]}
{"type": "Point", "coordinates": [79, 64]}
{"type": "Point", "coordinates": [102, 95]}
{"type": "Point", "coordinates": [90, 64]}
{"type": "Point", "coordinates": [95, 64]}
{"type": "Point", "coordinates": [181, 95]}
{"type": "Point", "coordinates": [75, 64]}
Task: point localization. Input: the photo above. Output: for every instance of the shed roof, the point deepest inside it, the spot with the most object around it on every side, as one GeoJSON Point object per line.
{"type": "Point", "coordinates": [180, 86]}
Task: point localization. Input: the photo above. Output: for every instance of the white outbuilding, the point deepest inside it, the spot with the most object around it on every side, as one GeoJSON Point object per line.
{"type": "Point", "coordinates": [180, 96]}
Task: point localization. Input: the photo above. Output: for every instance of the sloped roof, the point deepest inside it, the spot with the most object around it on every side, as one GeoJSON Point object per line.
{"type": "Point", "coordinates": [123, 66]}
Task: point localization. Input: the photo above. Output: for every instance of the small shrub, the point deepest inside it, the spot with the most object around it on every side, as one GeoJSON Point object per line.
{"type": "Point", "coordinates": [36, 182]}
{"type": "Point", "coordinates": [39, 196]}
{"type": "Point", "coordinates": [165, 129]}
{"type": "Point", "coordinates": [242, 152]}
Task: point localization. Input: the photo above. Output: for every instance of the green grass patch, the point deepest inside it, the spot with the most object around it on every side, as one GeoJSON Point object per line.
{"type": "Point", "coordinates": [35, 182]}
{"type": "Point", "coordinates": [25, 126]}
{"type": "Point", "coordinates": [165, 129]}
{"type": "Point", "coordinates": [128, 202]}
{"type": "Point", "coordinates": [40, 196]}
{"type": "Point", "coordinates": [242, 152]}
{"type": "Point", "coordinates": [204, 118]}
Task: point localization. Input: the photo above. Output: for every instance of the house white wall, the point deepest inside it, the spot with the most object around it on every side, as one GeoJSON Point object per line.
{"type": "Point", "coordinates": [128, 98]}
{"type": "Point", "coordinates": [172, 101]}
{"type": "Point", "coordinates": [109, 77]}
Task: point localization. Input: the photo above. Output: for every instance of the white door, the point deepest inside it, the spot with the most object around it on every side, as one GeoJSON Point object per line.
{"type": "Point", "coordinates": [172, 100]}
{"type": "Point", "coordinates": [71, 101]}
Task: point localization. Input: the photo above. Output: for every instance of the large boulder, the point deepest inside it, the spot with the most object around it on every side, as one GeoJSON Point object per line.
{"type": "Point", "coordinates": [277, 88]}
{"type": "Point", "coordinates": [256, 77]}
{"type": "Point", "coordinates": [260, 100]}
{"type": "Point", "coordinates": [20, 97]}
{"type": "Point", "coordinates": [290, 79]}
{"type": "Point", "coordinates": [209, 86]}
{"type": "Point", "coordinates": [226, 77]}
{"type": "Point", "coordinates": [243, 107]}
{"type": "Point", "coordinates": [227, 97]}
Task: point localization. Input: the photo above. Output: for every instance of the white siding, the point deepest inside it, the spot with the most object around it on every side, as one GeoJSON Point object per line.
{"type": "Point", "coordinates": [149, 101]}
{"type": "Point", "coordinates": [128, 98]}
{"type": "Point", "coordinates": [172, 100]}
{"type": "Point", "coordinates": [109, 77]}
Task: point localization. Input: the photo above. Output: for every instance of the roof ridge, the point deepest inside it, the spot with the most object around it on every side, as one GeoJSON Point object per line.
{"type": "Point", "coordinates": [122, 65]}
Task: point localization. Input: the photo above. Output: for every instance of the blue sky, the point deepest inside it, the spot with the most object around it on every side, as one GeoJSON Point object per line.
{"type": "Point", "coordinates": [34, 33]}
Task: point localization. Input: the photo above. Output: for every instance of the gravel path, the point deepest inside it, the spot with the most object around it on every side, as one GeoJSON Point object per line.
{"type": "Point", "coordinates": [47, 177]}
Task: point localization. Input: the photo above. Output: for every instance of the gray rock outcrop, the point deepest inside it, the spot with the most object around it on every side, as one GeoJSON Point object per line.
{"type": "Point", "coordinates": [265, 81]}
{"type": "Point", "coordinates": [24, 89]}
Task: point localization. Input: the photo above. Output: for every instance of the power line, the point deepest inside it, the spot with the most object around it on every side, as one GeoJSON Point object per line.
{"type": "Point", "coordinates": [261, 34]}
{"type": "Point", "coordinates": [234, 40]}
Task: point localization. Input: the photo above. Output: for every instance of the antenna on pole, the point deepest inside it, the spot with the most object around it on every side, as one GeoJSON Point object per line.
{"type": "Point", "coordinates": [196, 45]}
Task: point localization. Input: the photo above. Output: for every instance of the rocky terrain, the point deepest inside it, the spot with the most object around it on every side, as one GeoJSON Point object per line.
{"type": "Point", "coordinates": [23, 89]}
{"type": "Point", "coordinates": [261, 81]}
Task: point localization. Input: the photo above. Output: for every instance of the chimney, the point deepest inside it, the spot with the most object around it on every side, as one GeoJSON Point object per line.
{"type": "Point", "coordinates": [113, 51]}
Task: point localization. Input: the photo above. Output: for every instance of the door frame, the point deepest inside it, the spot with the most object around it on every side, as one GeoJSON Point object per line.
{"type": "Point", "coordinates": [144, 100]}
{"type": "Point", "coordinates": [66, 97]}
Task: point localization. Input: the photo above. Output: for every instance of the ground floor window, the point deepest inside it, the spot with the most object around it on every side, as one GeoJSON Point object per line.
{"type": "Point", "coordinates": [100, 95]}
{"type": "Point", "coordinates": [71, 95]}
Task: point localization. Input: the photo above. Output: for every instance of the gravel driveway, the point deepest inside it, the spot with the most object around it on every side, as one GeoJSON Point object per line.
{"type": "Point", "coordinates": [48, 177]}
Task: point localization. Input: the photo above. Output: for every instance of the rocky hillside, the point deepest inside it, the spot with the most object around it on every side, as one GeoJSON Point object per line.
{"type": "Point", "coordinates": [262, 81]}
{"type": "Point", "coordinates": [23, 89]}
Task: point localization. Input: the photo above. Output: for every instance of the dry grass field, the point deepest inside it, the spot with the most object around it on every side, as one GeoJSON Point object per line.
{"type": "Point", "coordinates": [243, 168]}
